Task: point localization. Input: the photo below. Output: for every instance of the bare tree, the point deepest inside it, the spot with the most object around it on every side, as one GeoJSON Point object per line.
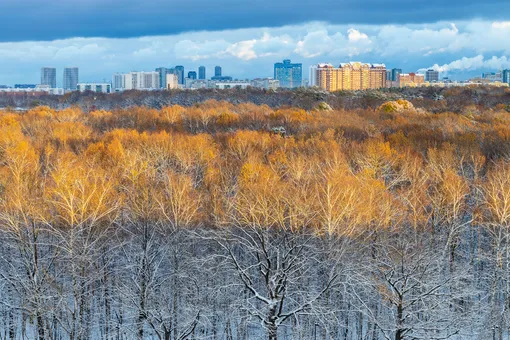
{"type": "Point", "coordinates": [272, 265]}
{"type": "Point", "coordinates": [416, 294]}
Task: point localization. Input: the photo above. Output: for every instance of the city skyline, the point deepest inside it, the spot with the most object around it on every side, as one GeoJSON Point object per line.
{"type": "Point", "coordinates": [285, 76]}
{"type": "Point", "coordinates": [457, 49]}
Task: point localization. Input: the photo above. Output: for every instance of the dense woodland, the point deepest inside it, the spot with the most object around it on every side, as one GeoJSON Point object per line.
{"type": "Point", "coordinates": [433, 99]}
{"type": "Point", "coordinates": [223, 221]}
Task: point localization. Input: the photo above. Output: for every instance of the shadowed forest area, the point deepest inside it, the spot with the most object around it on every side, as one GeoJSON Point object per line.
{"type": "Point", "coordinates": [432, 99]}
{"type": "Point", "coordinates": [241, 221]}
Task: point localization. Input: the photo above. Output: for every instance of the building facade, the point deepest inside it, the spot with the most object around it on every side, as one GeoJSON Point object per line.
{"type": "Point", "coordinates": [395, 72]}
{"type": "Point", "coordinates": [172, 81]}
{"type": "Point", "coordinates": [265, 83]}
{"type": "Point", "coordinates": [411, 80]}
{"type": "Point", "coordinates": [201, 73]}
{"type": "Point", "coordinates": [224, 85]}
{"type": "Point", "coordinates": [31, 90]}
{"type": "Point", "coordinates": [49, 77]}
{"type": "Point", "coordinates": [222, 78]}
{"type": "Point", "coordinates": [432, 76]}
{"type": "Point", "coordinates": [118, 83]}
{"type": "Point", "coordinates": [188, 83]}
{"type": "Point", "coordinates": [199, 84]}
{"type": "Point", "coordinates": [25, 86]}
{"type": "Point", "coordinates": [136, 81]}
{"type": "Point", "coordinates": [493, 76]}
{"type": "Point", "coordinates": [71, 78]}
{"type": "Point", "coordinates": [217, 71]}
{"type": "Point", "coordinates": [506, 76]}
{"type": "Point", "coordinates": [144, 81]}
{"type": "Point", "coordinates": [312, 76]}
{"type": "Point", "coordinates": [290, 75]}
{"type": "Point", "coordinates": [350, 76]}
{"type": "Point", "coordinates": [192, 75]}
{"type": "Point", "coordinates": [94, 87]}
{"type": "Point", "coordinates": [377, 76]}
{"type": "Point", "coordinates": [179, 72]}
{"type": "Point", "coordinates": [163, 71]}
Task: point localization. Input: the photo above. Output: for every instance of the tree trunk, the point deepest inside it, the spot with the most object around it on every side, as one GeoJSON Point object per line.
{"type": "Point", "coordinates": [400, 312]}
{"type": "Point", "coordinates": [40, 327]}
{"type": "Point", "coordinates": [175, 297]}
{"type": "Point", "coordinates": [272, 332]}
{"type": "Point", "coordinates": [12, 330]}
{"type": "Point", "coordinates": [106, 293]}
{"type": "Point", "coordinates": [143, 283]}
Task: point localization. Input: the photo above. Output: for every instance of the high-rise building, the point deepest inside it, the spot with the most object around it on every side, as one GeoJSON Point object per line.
{"type": "Point", "coordinates": [395, 73]}
{"type": "Point", "coordinates": [201, 72]}
{"type": "Point", "coordinates": [432, 76]}
{"type": "Point", "coordinates": [350, 76]}
{"type": "Point", "coordinates": [217, 71]}
{"type": "Point", "coordinates": [118, 82]}
{"type": "Point", "coordinates": [70, 78]}
{"type": "Point", "coordinates": [179, 72]}
{"type": "Point", "coordinates": [388, 75]}
{"type": "Point", "coordinates": [163, 71]}
{"type": "Point", "coordinates": [506, 76]}
{"type": "Point", "coordinates": [218, 76]}
{"type": "Point", "coordinates": [313, 76]}
{"type": "Point", "coordinates": [192, 75]}
{"type": "Point", "coordinates": [290, 75]}
{"type": "Point", "coordinates": [49, 77]}
{"type": "Point", "coordinates": [377, 76]}
{"type": "Point", "coordinates": [136, 81]}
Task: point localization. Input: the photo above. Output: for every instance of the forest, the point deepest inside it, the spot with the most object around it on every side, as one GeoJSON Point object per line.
{"type": "Point", "coordinates": [226, 221]}
{"type": "Point", "coordinates": [433, 99]}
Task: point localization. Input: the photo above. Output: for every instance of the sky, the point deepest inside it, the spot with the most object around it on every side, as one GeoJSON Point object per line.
{"type": "Point", "coordinates": [460, 38]}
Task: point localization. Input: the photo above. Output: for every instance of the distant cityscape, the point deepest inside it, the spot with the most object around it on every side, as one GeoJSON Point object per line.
{"type": "Point", "coordinates": [287, 75]}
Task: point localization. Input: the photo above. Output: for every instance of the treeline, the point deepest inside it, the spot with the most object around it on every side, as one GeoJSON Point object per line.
{"type": "Point", "coordinates": [432, 99]}
{"type": "Point", "coordinates": [223, 221]}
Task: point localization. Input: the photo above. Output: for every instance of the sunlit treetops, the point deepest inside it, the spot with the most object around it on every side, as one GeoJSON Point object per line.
{"type": "Point", "coordinates": [217, 164]}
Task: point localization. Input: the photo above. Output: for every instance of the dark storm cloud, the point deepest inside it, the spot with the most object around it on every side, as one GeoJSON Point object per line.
{"type": "Point", "coordinates": [59, 19]}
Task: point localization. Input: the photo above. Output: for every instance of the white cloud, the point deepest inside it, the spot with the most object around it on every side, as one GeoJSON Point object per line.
{"type": "Point", "coordinates": [199, 50]}
{"type": "Point", "coordinates": [321, 43]}
{"type": "Point", "coordinates": [243, 49]}
{"type": "Point", "coordinates": [475, 63]}
{"type": "Point", "coordinates": [394, 40]}
{"type": "Point", "coordinates": [144, 52]}
{"type": "Point", "coordinates": [317, 43]}
{"type": "Point", "coordinates": [355, 35]}
{"type": "Point", "coordinates": [501, 24]}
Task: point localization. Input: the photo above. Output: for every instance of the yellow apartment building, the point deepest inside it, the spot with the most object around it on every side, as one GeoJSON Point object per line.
{"type": "Point", "coordinates": [349, 76]}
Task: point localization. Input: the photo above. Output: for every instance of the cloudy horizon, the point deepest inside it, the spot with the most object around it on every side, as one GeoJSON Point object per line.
{"type": "Point", "coordinates": [459, 48]}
